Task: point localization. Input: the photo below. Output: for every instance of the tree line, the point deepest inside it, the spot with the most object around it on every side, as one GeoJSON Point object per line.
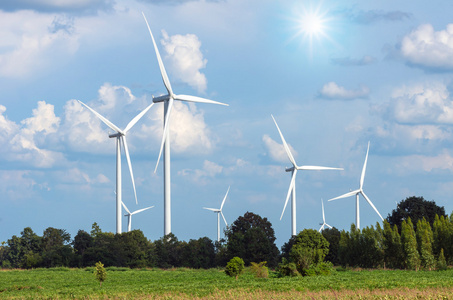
{"type": "Point", "coordinates": [399, 243]}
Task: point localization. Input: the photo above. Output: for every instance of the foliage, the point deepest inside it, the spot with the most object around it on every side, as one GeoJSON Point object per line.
{"type": "Point", "coordinates": [234, 267]}
{"type": "Point", "coordinates": [415, 208]}
{"type": "Point", "coordinates": [259, 269]}
{"type": "Point", "coordinates": [332, 235]}
{"type": "Point", "coordinates": [287, 268]}
{"type": "Point", "coordinates": [409, 242]}
{"type": "Point", "coordinates": [252, 238]}
{"type": "Point", "coordinates": [441, 262]}
{"type": "Point", "coordinates": [100, 273]}
{"type": "Point", "coordinates": [393, 250]}
{"type": "Point", "coordinates": [424, 236]}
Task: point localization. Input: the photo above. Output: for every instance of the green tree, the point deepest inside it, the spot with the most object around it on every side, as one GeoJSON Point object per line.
{"type": "Point", "coordinates": [332, 235]}
{"type": "Point", "coordinates": [252, 238]}
{"type": "Point", "coordinates": [443, 237]}
{"type": "Point", "coordinates": [234, 267]}
{"type": "Point", "coordinates": [81, 243]}
{"type": "Point", "coordinates": [100, 273]}
{"type": "Point", "coordinates": [56, 248]}
{"type": "Point", "coordinates": [310, 248]}
{"type": "Point", "coordinates": [393, 251]}
{"type": "Point", "coordinates": [424, 236]}
{"type": "Point", "coordinates": [168, 251]}
{"type": "Point", "coordinates": [409, 243]}
{"type": "Point", "coordinates": [199, 254]}
{"type": "Point", "coordinates": [130, 249]}
{"type": "Point", "coordinates": [416, 208]}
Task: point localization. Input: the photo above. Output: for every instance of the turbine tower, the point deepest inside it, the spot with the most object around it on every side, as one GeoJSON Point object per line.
{"type": "Point", "coordinates": [130, 214]}
{"type": "Point", "coordinates": [323, 219]}
{"type": "Point", "coordinates": [360, 191]}
{"type": "Point", "coordinates": [292, 185]}
{"type": "Point", "coordinates": [219, 212]}
{"type": "Point", "coordinates": [168, 104]}
{"type": "Point", "coordinates": [120, 136]}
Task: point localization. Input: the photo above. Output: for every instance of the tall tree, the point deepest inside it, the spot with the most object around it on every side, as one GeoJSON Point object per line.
{"type": "Point", "coordinates": [333, 237]}
{"type": "Point", "coordinates": [310, 248]}
{"type": "Point", "coordinates": [252, 238]}
{"type": "Point", "coordinates": [393, 251]}
{"type": "Point", "coordinates": [56, 248]}
{"type": "Point", "coordinates": [409, 243]}
{"type": "Point", "coordinates": [416, 208]}
{"type": "Point", "coordinates": [424, 236]}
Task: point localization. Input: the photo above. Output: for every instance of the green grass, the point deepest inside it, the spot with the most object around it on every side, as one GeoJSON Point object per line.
{"type": "Point", "coordinates": [121, 283]}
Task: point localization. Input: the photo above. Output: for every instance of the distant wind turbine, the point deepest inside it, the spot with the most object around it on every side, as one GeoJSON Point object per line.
{"type": "Point", "coordinates": [168, 104]}
{"type": "Point", "coordinates": [120, 136]}
{"type": "Point", "coordinates": [323, 219]}
{"type": "Point", "coordinates": [292, 185]}
{"type": "Point", "coordinates": [360, 191]}
{"type": "Point", "coordinates": [219, 212]}
{"type": "Point", "coordinates": [130, 214]}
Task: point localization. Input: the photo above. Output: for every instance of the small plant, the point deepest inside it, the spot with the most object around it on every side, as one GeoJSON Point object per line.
{"type": "Point", "coordinates": [260, 270]}
{"type": "Point", "coordinates": [234, 267]}
{"type": "Point", "coordinates": [100, 273]}
{"type": "Point", "coordinates": [286, 268]}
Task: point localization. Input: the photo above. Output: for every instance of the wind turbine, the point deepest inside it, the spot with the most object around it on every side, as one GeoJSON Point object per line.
{"type": "Point", "coordinates": [219, 212]}
{"type": "Point", "coordinates": [292, 186]}
{"type": "Point", "coordinates": [360, 191]}
{"type": "Point", "coordinates": [120, 136]}
{"type": "Point", "coordinates": [168, 104]}
{"type": "Point", "coordinates": [323, 219]}
{"type": "Point", "coordinates": [130, 214]}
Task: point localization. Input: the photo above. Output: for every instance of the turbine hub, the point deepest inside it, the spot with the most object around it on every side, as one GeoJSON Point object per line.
{"type": "Point", "coordinates": [289, 169]}
{"type": "Point", "coordinates": [161, 98]}
{"type": "Point", "coordinates": [115, 135]}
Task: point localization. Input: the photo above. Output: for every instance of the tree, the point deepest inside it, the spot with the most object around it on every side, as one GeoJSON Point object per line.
{"type": "Point", "coordinates": [199, 254]}
{"type": "Point", "coordinates": [252, 238]}
{"type": "Point", "coordinates": [81, 243]}
{"type": "Point", "coordinates": [393, 251]}
{"type": "Point", "coordinates": [100, 273]}
{"type": "Point", "coordinates": [234, 267]}
{"type": "Point", "coordinates": [130, 249]}
{"type": "Point", "coordinates": [332, 235]}
{"type": "Point", "coordinates": [168, 251]}
{"type": "Point", "coordinates": [424, 236]}
{"type": "Point", "coordinates": [310, 248]}
{"type": "Point", "coordinates": [416, 208]}
{"type": "Point", "coordinates": [56, 248]}
{"type": "Point", "coordinates": [409, 243]}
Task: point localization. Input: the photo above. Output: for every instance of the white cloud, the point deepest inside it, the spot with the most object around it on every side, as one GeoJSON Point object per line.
{"type": "Point", "coordinates": [331, 90]}
{"type": "Point", "coordinates": [277, 151]}
{"type": "Point", "coordinates": [31, 42]}
{"type": "Point", "coordinates": [201, 176]}
{"type": "Point", "coordinates": [428, 48]}
{"type": "Point", "coordinates": [413, 163]}
{"type": "Point", "coordinates": [186, 59]}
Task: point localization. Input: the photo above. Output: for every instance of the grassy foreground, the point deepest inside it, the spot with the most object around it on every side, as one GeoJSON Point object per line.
{"type": "Point", "coordinates": [122, 283]}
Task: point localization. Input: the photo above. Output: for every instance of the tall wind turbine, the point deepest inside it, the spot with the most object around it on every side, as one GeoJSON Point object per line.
{"type": "Point", "coordinates": [219, 212]}
{"type": "Point", "coordinates": [120, 136]}
{"type": "Point", "coordinates": [360, 191]}
{"type": "Point", "coordinates": [292, 186]}
{"type": "Point", "coordinates": [168, 104]}
{"type": "Point", "coordinates": [323, 219]}
{"type": "Point", "coordinates": [130, 214]}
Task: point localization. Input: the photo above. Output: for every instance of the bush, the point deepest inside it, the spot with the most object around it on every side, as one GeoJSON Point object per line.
{"type": "Point", "coordinates": [260, 270]}
{"type": "Point", "coordinates": [100, 273]}
{"type": "Point", "coordinates": [234, 267]}
{"type": "Point", "coordinates": [286, 268]}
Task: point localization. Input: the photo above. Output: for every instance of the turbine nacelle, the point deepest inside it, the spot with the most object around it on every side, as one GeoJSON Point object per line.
{"type": "Point", "coordinates": [289, 169]}
{"type": "Point", "coordinates": [115, 135]}
{"type": "Point", "coordinates": [161, 98]}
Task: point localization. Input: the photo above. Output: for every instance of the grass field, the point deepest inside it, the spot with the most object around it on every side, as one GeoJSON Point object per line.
{"type": "Point", "coordinates": [122, 283]}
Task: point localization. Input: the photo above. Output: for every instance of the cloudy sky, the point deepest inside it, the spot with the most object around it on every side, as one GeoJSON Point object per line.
{"type": "Point", "coordinates": [378, 71]}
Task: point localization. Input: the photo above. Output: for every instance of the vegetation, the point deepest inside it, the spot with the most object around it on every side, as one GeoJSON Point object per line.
{"type": "Point", "coordinates": [260, 269]}
{"type": "Point", "coordinates": [100, 273]}
{"type": "Point", "coordinates": [234, 267]}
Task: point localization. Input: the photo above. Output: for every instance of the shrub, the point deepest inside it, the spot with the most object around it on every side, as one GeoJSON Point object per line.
{"type": "Point", "coordinates": [286, 268]}
{"type": "Point", "coordinates": [100, 273]}
{"type": "Point", "coordinates": [260, 270]}
{"type": "Point", "coordinates": [234, 267]}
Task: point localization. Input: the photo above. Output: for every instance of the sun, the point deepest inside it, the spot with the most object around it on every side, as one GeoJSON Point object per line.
{"type": "Point", "coordinates": [312, 25]}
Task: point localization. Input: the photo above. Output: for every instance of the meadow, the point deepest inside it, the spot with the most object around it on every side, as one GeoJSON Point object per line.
{"type": "Point", "coordinates": [182, 283]}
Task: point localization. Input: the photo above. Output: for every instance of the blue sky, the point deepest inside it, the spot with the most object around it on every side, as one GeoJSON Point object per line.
{"type": "Point", "coordinates": [381, 71]}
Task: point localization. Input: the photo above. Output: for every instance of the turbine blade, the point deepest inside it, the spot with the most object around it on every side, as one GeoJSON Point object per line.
{"type": "Point", "coordinates": [166, 129]}
{"type": "Point", "coordinates": [362, 177]}
{"type": "Point", "coordinates": [323, 217]}
{"type": "Point", "coordinates": [224, 198]}
{"type": "Point", "coordinates": [103, 119]}
{"type": "Point", "coordinates": [288, 152]}
{"type": "Point", "coordinates": [212, 209]}
{"type": "Point", "coordinates": [124, 205]}
{"type": "Point", "coordinates": [197, 99]}
{"type": "Point", "coordinates": [291, 187]}
{"type": "Point", "coordinates": [328, 226]}
{"type": "Point", "coordinates": [372, 205]}
{"type": "Point", "coordinates": [317, 168]}
{"type": "Point", "coordinates": [224, 218]}
{"type": "Point", "coordinates": [345, 195]}
{"type": "Point", "coordinates": [140, 210]}
{"type": "Point", "coordinates": [159, 60]}
{"type": "Point", "coordinates": [137, 118]}
{"type": "Point", "coordinates": [123, 137]}
{"type": "Point", "coordinates": [321, 228]}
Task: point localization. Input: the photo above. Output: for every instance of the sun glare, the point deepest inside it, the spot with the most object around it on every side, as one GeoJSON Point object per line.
{"type": "Point", "coordinates": [312, 25]}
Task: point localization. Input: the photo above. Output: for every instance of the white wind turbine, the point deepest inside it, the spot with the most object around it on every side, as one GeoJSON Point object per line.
{"type": "Point", "coordinates": [130, 214]}
{"type": "Point", "coordinates": [168, 104]}
{"type": "Point", "coordinates": [360, 191]}
{"type": "Point", "coordinates": [323, 219]}
{"type": "Point", "coordinates": [292, 186]}
{"type": "Point", "coordinates": [219, 212]}
{"type": "Point", "coordinates": [120, 136]}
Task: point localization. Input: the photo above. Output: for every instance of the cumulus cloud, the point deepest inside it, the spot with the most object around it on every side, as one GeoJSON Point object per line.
{"type": "Point", "coordinates": [33, 41]}
{"type": "Point", "coordinates": [201, 176]}
{"type": "Point", "coordinates": [375, 16]}
{"type": "Point", "coordinates": [426, 48]}
{"type": "Point", "coordinates": [277, 151]}
{"type": "Point", "coordinates": [186, 59]}
{"type": "Point", "coordinates": [331, 90]}
{"type": "Point", "coordinates": [348, 61]}
{"type": "Point", "coordinates": [68, 6]}
{"type": "Point", "coordinates": [443, 161]}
